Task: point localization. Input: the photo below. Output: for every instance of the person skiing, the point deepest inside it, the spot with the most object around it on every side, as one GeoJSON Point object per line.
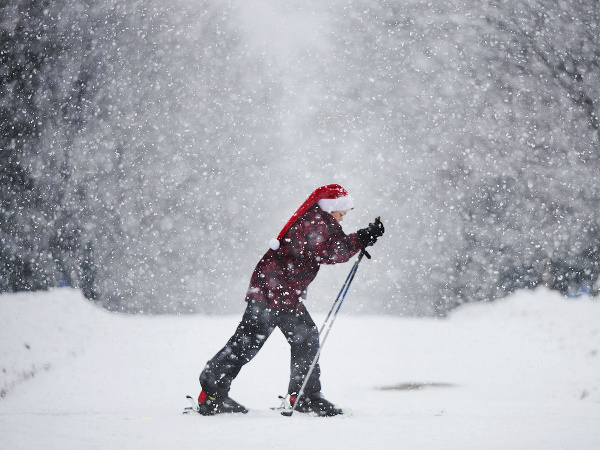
{"type": "Point", "coordinates": [278, 286]}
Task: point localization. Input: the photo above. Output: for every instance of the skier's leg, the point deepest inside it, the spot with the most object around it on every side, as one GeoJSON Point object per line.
{"type": "Point", "coordinates": [256, 326]}
{"type": "Point", "coordinates": [303, 336]}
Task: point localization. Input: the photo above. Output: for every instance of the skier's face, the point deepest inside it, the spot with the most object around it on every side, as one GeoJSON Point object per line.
{"type": "Point", "coordinates": [339, 215]}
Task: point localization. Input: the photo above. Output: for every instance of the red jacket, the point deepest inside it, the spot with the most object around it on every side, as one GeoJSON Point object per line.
{"type": "Point", "coordinates": [282, 276]}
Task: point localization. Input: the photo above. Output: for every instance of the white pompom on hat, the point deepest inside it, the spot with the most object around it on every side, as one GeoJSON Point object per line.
{"type": "Point", "coordinates": [331, 197]}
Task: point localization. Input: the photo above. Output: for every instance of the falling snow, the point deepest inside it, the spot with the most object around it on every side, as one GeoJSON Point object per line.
{"type": "Point", "coordinates": [150, 150]}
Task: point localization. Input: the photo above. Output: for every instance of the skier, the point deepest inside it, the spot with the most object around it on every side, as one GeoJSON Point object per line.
{"type": "Point", "coordinates": [312, 236]}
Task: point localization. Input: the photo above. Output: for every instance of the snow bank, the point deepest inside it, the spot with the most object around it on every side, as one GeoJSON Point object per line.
{"type": "Point", "coordinates": [540, 333]}
{"type": "Point", "coordinates": [43, 330]}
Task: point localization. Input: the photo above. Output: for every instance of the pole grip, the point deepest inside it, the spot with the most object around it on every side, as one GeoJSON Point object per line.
{"type": "Point", "coordinates": [364, 250]}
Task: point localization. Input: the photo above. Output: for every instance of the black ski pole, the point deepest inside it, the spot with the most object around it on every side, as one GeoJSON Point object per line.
{"type": "Point", "coordinates": [327, 324]}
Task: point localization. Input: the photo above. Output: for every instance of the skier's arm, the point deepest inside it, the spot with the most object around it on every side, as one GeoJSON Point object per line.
{"type": "Point", "coordinates": [334, 246]}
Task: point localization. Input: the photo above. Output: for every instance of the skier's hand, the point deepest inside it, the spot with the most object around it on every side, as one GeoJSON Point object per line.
{"type": "Point", "coordinates": [368, 236]}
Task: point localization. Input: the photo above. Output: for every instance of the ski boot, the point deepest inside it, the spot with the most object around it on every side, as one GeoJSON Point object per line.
{"type": "Point", "coordinates": [209, 406]}
{"type": "Point", "coordinates": [315, 403]}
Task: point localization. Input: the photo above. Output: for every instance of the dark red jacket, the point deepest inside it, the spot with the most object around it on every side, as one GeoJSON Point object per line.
{"type": "Point", "coordinates": [281, 277]}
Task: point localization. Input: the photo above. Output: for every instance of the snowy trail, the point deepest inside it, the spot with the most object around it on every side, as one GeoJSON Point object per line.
{"type": "Point", "coordinates": [519, 374]}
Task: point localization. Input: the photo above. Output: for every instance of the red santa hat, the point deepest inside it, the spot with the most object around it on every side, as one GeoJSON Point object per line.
{"type": "Point", "coordinates": [332, 197]}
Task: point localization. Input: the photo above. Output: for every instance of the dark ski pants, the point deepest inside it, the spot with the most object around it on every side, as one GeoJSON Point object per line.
{"type": "Point", "coordinates": [256, 326]}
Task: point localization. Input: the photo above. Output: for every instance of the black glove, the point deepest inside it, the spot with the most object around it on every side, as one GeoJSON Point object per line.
{"type": "Point", "coordinates": [368, 236]}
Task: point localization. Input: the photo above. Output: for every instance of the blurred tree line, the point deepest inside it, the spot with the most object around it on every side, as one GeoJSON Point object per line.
{"type": "Point", "coordinates": [147, 150]}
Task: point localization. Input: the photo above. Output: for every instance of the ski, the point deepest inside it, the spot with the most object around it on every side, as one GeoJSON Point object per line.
{"type": "Point", "coordinates": [286, 409]}
{"type": "Point", "coordinates": [193, 406]}
{"type": "Point", "coordinates": [285, 405]}
{"type": "Point", "coordinates": [228, 406]}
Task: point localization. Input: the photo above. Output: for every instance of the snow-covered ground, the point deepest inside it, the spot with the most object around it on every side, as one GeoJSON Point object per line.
{"type": "Point", "coordinates": [523, 373]}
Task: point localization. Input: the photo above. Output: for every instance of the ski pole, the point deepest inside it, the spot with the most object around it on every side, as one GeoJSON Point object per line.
{"type": "Point", "coordinates": [346, 285]}
{"type": "Point", "coordinates": [327, 324]}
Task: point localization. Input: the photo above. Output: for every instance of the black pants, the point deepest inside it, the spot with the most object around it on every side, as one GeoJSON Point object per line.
{"type": "Point", "coordinates": [256, 326]}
